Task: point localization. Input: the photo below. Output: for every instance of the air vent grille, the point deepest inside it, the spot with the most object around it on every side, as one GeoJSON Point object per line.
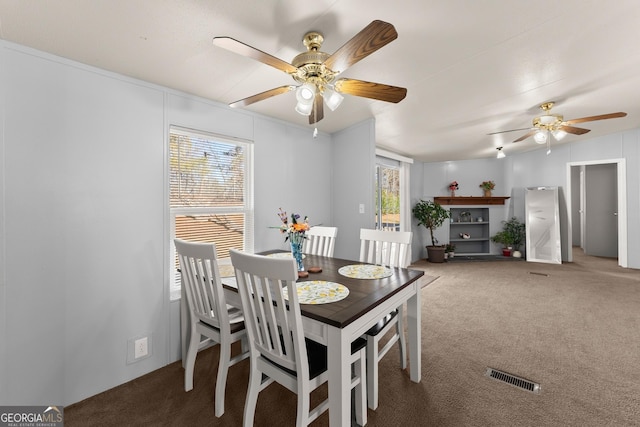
{"type": "Point", "coordinates": [505, 377]}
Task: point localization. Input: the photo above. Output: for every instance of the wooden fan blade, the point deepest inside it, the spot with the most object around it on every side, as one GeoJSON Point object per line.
{"type": "Point", "coordinates": [526, 135]}
{"type": "Point", "coordinates": [374, 36]}
{"type": "Point", "coordinates": [317, 113]}
{"type": "Point", "coordinates": [243, 49]}
{"type": "Point", "coordinates": [574, 130]}
{"type": "Point", "coordinates": [371, 90]}
{"type": "Point", "coordinates": [262, 96]}
{"type": "Point", "coordinates": [505, 131]}
{"type": "Point", "coordinates": [594, 118]}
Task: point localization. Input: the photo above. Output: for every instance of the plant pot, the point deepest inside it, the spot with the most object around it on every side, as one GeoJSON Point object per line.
{"type": "Point", "coordinates": [435, 253]}
{"type": "Point", "coordinates": [506, 252]}
{"type": "Point", "coordinates": [517, 254]}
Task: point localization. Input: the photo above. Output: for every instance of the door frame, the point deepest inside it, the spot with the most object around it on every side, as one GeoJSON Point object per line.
{"type": "Point", "coordinates": [621, 172]}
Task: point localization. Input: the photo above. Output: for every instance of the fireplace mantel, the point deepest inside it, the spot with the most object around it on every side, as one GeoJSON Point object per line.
{"type": "Point", "coordinates": [470, 200]}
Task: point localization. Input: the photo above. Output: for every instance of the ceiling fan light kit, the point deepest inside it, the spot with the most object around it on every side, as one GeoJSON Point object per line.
{"type": "Point", "coordinates": [500, 154]}
{"type": "Point", "coordinates": [549, 124]}
{"type": "Point", "coordinates": [332, 98]}
{"type": "Point", "coordinates": [540, 137]}
{"type": "Point", "coordinates": [316, 71]}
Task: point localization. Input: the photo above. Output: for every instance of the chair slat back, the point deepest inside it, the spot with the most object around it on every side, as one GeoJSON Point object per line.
{"type": "Point", "coordinates": [274, 325]}
{"type": "Point", "coordinates": [388, 248]}
{"type": "Point", "coordinates": [320, 241]}
{"type": "Point", "coordinates": [201, 279]}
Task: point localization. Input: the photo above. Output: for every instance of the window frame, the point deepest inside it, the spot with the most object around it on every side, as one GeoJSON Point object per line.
{"type": "Point", "coordinates": [247, 209]}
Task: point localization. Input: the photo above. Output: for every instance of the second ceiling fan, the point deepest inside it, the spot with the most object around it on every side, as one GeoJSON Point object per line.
{"type": "Point", "coordinates": [316, 71]}
{"type": "Point", "coordinates": [554, 124]}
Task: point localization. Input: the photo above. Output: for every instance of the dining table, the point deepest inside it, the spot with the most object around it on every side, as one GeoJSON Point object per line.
{"type": "Point", "coordinates": [336, 324]}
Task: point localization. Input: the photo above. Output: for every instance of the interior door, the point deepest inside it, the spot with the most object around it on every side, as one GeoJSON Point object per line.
{"type": "Point", "coordinates": [600, 210]}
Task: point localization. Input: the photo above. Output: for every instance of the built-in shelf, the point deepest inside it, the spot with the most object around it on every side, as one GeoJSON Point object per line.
{"type": "Point", "coordinates": [474, 222]}
{"type": "Point", "coordinates": [470, 200]}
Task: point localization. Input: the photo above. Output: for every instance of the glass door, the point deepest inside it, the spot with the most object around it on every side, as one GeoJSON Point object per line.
{"type": "Point", "coordinates": [387, 197]}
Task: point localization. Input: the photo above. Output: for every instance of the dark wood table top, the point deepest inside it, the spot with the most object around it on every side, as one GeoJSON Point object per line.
{"type": "Point", "coordinates": [364, 294]}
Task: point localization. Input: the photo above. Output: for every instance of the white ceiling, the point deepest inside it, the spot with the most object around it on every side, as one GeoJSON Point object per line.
{"type": "Point", "coordinates": [470, 67]}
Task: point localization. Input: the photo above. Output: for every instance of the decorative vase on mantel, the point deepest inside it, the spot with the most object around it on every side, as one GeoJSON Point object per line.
{"type": "Point", "coordinates": [453, 193]}
{"type": "Point", "coordinates": [487, 193]}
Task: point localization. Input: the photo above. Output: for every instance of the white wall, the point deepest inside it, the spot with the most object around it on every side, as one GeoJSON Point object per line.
{"type": "Point", "coordinates": [354, 172]}
{"type": "Point", "coordinates": [84, 213]}
{"type": "Point", "coordinates": [84, 217]}
{"type": "Point", "coordinates": [293, 171]}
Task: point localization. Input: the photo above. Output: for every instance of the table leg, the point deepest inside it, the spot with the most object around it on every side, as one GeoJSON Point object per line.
{"type": "Point", "coordinates": [339, 381]}
{"type": "Point", "coordinates": [414, 319]}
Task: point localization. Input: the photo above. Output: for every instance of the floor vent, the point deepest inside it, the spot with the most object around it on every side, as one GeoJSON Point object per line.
{"type": "Point", "coordinates": [513, 380]}
{"type": "Point", "coordinates": [539, 274]}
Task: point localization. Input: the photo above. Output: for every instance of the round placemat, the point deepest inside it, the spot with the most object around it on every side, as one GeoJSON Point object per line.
{"type": "Point", "coordinates": [226, 270]}
{"type": "Point", "coordinates": [319, 292]}
{"type": "Point", "coordinates": [365, 271]}
{"type": "Point", "coordinates": [283, 255]}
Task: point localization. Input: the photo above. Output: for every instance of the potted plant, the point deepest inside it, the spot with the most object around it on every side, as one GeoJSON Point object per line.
{"type": "Point", "coordinates": [450, 250]}
{"type": "Point", "coordinates": [487, 187]}
{"type": "Point", "coordinates": [517, 231]}
{"type": "Point", "coordinates": [511, 236]}
{"type": "Point", "coordinates": [432, 215]}
{"type": "Point", "coordinates": [505, 239]}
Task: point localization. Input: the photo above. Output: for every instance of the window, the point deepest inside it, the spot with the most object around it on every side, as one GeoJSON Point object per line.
{"type": "Point", "coordinates": [393, 173]}
{"type": "Point", "coordinates": [387, 195]}
{"type": "Point", "coordinates": [210, 194]}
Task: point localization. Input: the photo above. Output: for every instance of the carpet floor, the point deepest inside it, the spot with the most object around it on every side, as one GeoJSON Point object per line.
{"type": "Point", "coordinates": [573, 328]}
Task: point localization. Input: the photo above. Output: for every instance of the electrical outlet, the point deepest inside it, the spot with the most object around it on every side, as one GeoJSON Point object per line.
{"type": "Point", "coordinates": [141, 348]}
{"type": "Point", "coordinates": [361, 208]}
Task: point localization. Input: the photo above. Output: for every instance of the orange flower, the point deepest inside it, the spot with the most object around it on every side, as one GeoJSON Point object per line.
{"type": "Point", "coordinates": [300, 226]}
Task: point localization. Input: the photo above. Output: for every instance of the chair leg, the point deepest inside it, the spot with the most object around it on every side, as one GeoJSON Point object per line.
{"type": "Point", "coordinates": [244, 344]}
{"type": "Point", "coordinates": [192, 352]}
{"type": "Point", "coordinates": [255, 378]}
{"type": "Point", "coordinates": [304, 397]}
{"type": "Point", "coordinates": [221, 380]}
{"type": "Point", "coordinates": [372, 372]}
{"type": "Point", "coordinates": [361, 389]}
{"type": "Point", "coordinates": [402, 341]}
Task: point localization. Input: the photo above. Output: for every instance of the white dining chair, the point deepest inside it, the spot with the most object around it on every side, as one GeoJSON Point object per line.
{"type": "Point", "coordinates": [279, 350]}
{"type": "Point", "coordinates": [209, 314]}
{"type": "Point", "coordinates": [390, 249]}
{"type": "Point", "coordinates": [320, 241]}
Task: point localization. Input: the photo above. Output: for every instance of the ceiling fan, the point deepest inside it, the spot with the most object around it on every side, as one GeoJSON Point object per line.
{"type": "Point", "coordinates": [554, 124]}
{"type": "Point", "coordinates": [316, 72]}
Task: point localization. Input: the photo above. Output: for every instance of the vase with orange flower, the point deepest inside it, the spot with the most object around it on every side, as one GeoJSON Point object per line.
{"type": "Point", "coordinates": [295, 233]}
